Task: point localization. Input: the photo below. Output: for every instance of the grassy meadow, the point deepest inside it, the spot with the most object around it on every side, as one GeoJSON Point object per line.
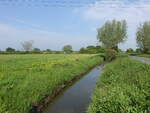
{"type": "Point", "coordinates": [26, 79]}
{"type": "Point", "coordinates": [123, 87]}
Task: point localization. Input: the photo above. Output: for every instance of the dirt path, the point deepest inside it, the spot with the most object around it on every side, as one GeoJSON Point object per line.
{"type": "Point", "coordinates": [142, 59]}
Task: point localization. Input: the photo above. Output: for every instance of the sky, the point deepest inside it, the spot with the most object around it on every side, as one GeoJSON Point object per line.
{"type": "Point", "coordinates": [51, 24]}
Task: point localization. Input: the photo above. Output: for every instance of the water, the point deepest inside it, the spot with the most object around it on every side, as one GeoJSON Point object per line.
{"type": "Point", "coordinates": [77, 97]}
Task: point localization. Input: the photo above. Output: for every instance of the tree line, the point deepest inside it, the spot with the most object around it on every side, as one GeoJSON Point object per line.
{"type": "Point", "coordinates": [109, 35]}
{"type": "Point", "coordinates": [27, 48]}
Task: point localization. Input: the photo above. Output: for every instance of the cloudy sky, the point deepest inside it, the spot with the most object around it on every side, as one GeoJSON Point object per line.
{"type": "Point", "coordinates": [55, 23]}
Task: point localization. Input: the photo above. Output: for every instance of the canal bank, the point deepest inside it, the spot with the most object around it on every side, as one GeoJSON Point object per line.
{"type": "Point", "coordinates": [76, 98]}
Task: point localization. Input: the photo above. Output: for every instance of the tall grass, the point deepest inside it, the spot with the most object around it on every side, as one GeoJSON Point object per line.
{"type": "Point", "coordinates": [124, 87]}
{"type": "Point", "coordinates": [26, 79]}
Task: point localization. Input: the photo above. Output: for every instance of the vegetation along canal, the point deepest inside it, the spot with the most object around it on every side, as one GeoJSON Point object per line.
{"type": "Point", "coordinates": [76, 98]}
{"type": "Point", "coordinates": [142, 59]}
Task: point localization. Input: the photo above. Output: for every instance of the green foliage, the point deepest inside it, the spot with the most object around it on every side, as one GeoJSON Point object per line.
{"type": "Point", "coordinates": [138, 50]}
{"type": "Point", "coordinates": [48, 50]}
{"type": "Point", "coordinates": [92, 50]}
{"type": "Point", "coordinates": [124, 87]}
{"type": "Point", "coordinates": [130, 50]}
{"type": "Point", "coordinates": [26, 79]}
{"type": "Point", "coordinates": [112, 33]}
{"type": "Point", "coordinates": [36, 49]}
{"type": "Point", "coordinates": [110, 54]}
{"type": "Point", "coordinates": [143, 37]}
{"type": "Point", "coordinates": [67, 49]}
{"type": "Point", "coordinates": [9, 49]}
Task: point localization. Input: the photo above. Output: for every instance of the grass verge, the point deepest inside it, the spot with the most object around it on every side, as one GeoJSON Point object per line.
{"type": "Point", "coordinates": [144, 55]}
{"type": "Point", "coordinates": [26, 79]}
{"type": "Point", "coordinates": [124, 87]}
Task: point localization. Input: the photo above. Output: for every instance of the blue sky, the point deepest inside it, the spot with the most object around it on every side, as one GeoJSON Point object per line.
{"type": "Point", "coordinates": [54, 27]}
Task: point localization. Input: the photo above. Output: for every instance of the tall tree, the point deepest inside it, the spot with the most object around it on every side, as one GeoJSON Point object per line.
{"type": "Point", "coordinates": [67, 49]}
{"type": "Point", "coordinates": [112, 33]}
{"type": "Point", "coordinates": [143, 37]}
{"type": "Point", "coordinates": [27, 45]}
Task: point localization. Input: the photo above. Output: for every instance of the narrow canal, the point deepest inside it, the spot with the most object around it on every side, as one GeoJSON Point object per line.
{"type": "Point", "coordinates": [76, 98]}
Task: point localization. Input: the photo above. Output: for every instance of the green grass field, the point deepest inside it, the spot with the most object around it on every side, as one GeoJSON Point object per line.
{"type": "Point", "coordinates": [26, 79]}
{"type": "Point", "coordinates": [124, 87]}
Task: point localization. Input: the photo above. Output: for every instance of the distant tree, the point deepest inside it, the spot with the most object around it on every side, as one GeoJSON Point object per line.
{"type": "Point", "coordinates": [9, 49]}
{"type": "Point", "coordinates": [100, 49]}
{"type": "Point", "coordinates": [82, 50]}
{"type": "Point", "coordinates": [36, 50]}
{"type": "Point", "coordinates": [48, 50]}
{"type": "Point", "coordinates": [130, 50]}
{"type": "Point", "coordinates": [112, 33]}
{"type": "Point", "coordinates": [143, 37]}
{"type": "Point", "coordinates": [67, 49]}
{"type": "Point", "coordinates": [92, 49]}
{"type": "Point", "coordinates": [27, 45]}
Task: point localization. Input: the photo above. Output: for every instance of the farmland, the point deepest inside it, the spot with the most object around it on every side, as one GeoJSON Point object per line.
{"type": "Point", "coordinates": [26, 79]}
{"type": "Point", "coordinates": [124, 87]}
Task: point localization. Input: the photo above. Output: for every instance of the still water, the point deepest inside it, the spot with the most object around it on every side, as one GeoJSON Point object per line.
{"type": "Point", "coordinates": [77, 97]}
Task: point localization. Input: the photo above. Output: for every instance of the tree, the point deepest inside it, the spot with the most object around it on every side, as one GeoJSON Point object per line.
{"type": "Point", "coordinates": [143, 37]}
{"type": "Point", "coordinates": [48, 50]}
{"type": "Point", "coordinates": [27, 45]}
{"type": "Point", "coordinates": [36, 50]}
{"type": "Point", "coordinates": [112, 33]}
{"type": "Point", "coordinates": [67, 49]}
{"type": "Point", "coordinates": [130, 50]}
{"type": "Point", "coordinates": [82, 50]}
{"type": "Point", "coordinates": [92, 50]}
{"type": "Point", "coordinates": [9, 49]}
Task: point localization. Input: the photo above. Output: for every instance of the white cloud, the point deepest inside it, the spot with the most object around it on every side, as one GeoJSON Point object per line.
{"type": "Point", "coordinates": [133, 12]}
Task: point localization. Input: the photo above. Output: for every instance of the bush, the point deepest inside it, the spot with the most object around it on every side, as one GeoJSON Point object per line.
{"type": "Point", "coordinates": [124, 87]}
{"type": "Point", "coordinates": [110, 54]}
{"type": "Point", "coordinates": [130, 50]}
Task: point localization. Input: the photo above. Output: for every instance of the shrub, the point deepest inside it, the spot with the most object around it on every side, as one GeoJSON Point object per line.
{"type": "Point", "coordinates": [110, 54]}
{"type": "Point", "coordinates": [124, 87]}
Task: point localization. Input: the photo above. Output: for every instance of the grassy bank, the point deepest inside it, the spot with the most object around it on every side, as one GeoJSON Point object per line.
{"type": "Point", "coordinates": [124, 87]}
{"type": "Point", "coordinates": [144, 55]}
{"type": "Point", "coordinates": [26, 79]}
